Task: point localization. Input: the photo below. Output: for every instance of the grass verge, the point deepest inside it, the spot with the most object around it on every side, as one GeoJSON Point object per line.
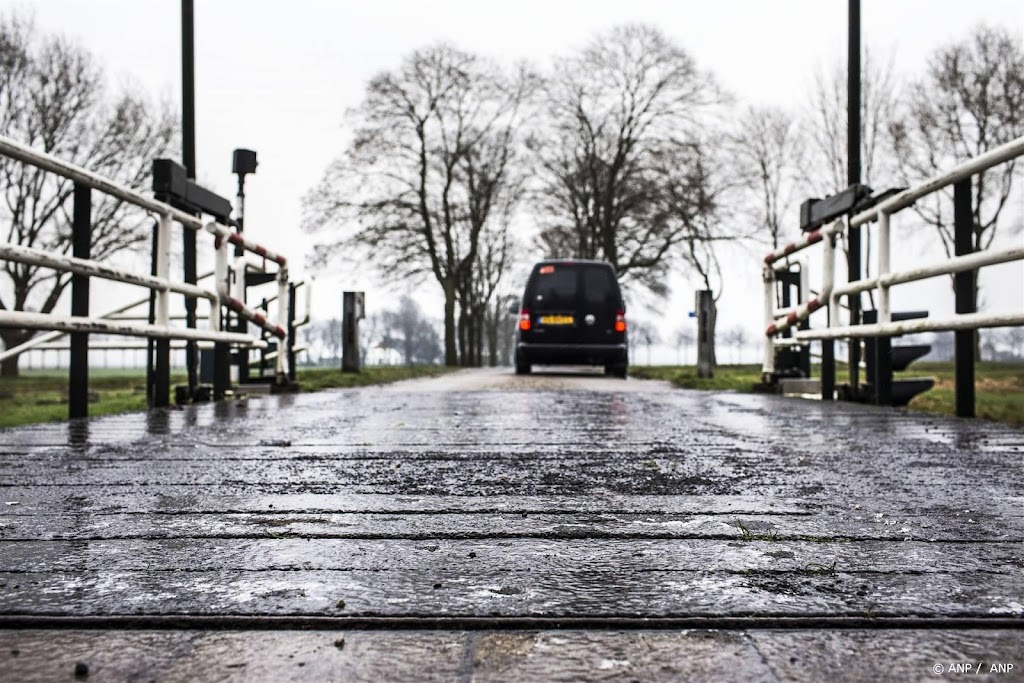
{"type": "Point", "coordinates": [315, 379]}
{"type": "Point", "coordinates": [727, 377]}
{"type": "Point", "coordinates": [999, 387]}
{"type": "Point", "coordinates": [41, 395]}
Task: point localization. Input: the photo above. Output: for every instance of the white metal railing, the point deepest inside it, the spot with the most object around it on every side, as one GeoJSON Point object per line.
{"type": "Point", "coordinates": [776, 321]}
{"type": "Point", "coordinates": [161, 283]}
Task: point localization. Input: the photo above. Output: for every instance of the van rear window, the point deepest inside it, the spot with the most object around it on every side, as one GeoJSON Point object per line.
{"type": "Point", "coordinates": [598, 287]}
{"type": "Point", "coordinates": [554, 287]}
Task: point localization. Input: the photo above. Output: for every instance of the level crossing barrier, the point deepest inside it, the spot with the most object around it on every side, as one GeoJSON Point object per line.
{"type": "Point", "coordinates": [80, 324]}
{"type": "Point", "coordinates": [963, 265]}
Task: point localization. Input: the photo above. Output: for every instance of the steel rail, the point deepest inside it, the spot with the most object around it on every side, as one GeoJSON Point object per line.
{"type": "Point", "coordinates": [47, 162]}
{"type": "Point", "coordinates": [966, 321]}
{"type": "Point", "coordinates": [956, 264]}
{"type": "Point", "coordinates": [70, 264]}
{"type": "Point", "coordinates": [176, 344]}
{"type": "Point", "coordinates": [43, 321]}
{"type": "Point", "coordinates": [1003, 153]}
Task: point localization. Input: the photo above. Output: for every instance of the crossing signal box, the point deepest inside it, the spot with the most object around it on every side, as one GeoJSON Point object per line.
{"type": "Point", "coordinates": [883, 359]}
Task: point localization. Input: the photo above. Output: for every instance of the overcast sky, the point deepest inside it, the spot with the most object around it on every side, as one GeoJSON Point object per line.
{"type": "Point", "coordinates": [278, 77]}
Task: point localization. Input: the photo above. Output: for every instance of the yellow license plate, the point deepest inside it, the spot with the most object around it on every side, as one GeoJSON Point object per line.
{"type": "Point", "coordinates": [556, 320]}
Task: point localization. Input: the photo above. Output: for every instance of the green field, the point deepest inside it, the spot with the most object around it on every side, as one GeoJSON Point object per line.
{"type": "Point", "coordinates": [41, 395]}
{"type": "Point", "coordinates": [999, 387]}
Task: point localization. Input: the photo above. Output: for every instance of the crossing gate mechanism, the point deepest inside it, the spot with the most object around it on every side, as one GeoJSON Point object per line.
{"type": "Point", "coordinates": [827, 220]}
{"type": "Point", "coordinates": [179, 200]}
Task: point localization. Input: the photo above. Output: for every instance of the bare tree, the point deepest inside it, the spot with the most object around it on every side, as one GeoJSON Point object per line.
{"type": "Point", "coordinates": [826, 159]}
{"type": "Point", "coordinates": [826, 153]}
{"type": "Point", "coordinates": [611, 109]}
{"type": "Point", "coordinates": [683, 338]}
{"type": "Point", "coordinates": [324, 339]}
{"type": "Point", "coordinates": [970, 100]}
{"type": "Point", "coordinates": [768, 152]}
{"type": "Point", "coordinates": [737, 339]}
{"type": "Point", "coordinates": [494, 183]}
{"type": "Point", "coordinates": [412, 333]}
{"type": "Point", "coordinates": [697, 185]}
{"type": "Point", "coordinates": [500, 325]}
{"type": "Point", "coordinates": [405, 182]}
{"type": "Point", "coordinates": [53, 98]}
{"type": "Point", "coordinates": [645, 334]}
{"type": "Point", "coordinates": [1014, 338]}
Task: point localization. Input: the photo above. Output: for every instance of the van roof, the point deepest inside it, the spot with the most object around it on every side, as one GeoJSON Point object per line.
{"type": "Point", "coordinates": [557, 261]}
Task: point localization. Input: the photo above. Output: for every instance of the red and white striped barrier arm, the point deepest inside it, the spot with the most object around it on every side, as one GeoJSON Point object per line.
{"type": "Point", "coordinates": [796, 316]}
{"type": "Point", "coordinates": [255, 316]}
{"type": "Point", "coordinates": [822, 300]}
{"type": "Point", "coordinates": [233, 237]}
{"type": "Point", "coordinates": [793, 247]}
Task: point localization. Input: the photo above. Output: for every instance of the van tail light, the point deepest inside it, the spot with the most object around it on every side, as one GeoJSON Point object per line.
{"type": "Point", "coordinates": [524, 320]}
{"type": "Point", "coordinates": [620, 321]}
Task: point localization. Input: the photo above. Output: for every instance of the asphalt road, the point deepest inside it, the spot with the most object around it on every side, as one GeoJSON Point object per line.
{"type": "Point", "coordinates": [483, 526]}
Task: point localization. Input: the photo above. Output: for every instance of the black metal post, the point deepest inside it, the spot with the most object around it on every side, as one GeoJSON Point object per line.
{"type": "Point", "coordinates": [242, 324]}
{"type": "Point", "coordinates": [190, 275]}
{"type": "Point", "coordinates": [81, 247]}
{"type": "Point", "coordinates": [291, 332]}
{"type": "Point", "coordinates": [160, 390]}
{"type": "Point", "coordinates": [266, 337]}
{"type": "Point", "coordinates": [853, 178]}
{"type": "Point", "coordinates": [188, 155]}
{"type": "Point", "coordinates": [150, 342]}
{"type": "Point", "coordinates": [828, 369]}
{"type": "Point", "coordinates": [162, 374]}
{"type": "Point", "coordinates": [883, 371]}
{"type": "Point", "coordinates": [243, 162]}
{"type": "Point", "coordinates": [964, 287]}
{"type": "Point", "coordinates": [188, 93]}
{"type": "Point", "coordinates": [221, 369]}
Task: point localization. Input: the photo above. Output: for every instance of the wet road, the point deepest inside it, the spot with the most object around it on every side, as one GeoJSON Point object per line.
{"type": "Point", "coordinates": [483, 526]}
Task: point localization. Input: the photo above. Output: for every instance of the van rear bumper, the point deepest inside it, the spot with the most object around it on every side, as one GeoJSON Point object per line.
{"type": "Point", "coordinates": [572, 354]}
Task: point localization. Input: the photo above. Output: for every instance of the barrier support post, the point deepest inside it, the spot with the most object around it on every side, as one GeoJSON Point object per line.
{"type": "Point", "coordinates": [241, 325]}
{"type": "Point", "coordinates": [964, 285]}
{"type": "Point", "coordinates": [81, 246]}
{"type": "Point", "coordinates": [162, 370]}
{"type": "Point", "coordinates": [768, 365]}
{"type": "Point", "coordinates": [883, 345]}
{"type": "Point", "coordinates": [283, 321]}
{"type": "Point", "coordinates": [221, 350]}
{"type": "Point", "coordinates": [828, 348]}
{"type": "Point", "coordinates": [291, 333]}
{"type": "Point", "coordinates": [190, 276]}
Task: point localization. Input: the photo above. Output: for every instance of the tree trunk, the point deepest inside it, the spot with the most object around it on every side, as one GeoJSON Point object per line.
{"type": "Point", "coordinates": [492, 340]}
{"type": "Point", "coordinates": [478, 338]}
{"type": "Point", "coordinates": [451, 353]}
{"type": "Point", "coordinates": [12, 338]}
{"type": "Point", "coordinates": [462, 334]}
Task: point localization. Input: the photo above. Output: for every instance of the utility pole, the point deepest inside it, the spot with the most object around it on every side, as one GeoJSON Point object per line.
{"type": "Point", "coordinates": [853, 178]}
{"type": "Point", "coordinates": [188, 157]}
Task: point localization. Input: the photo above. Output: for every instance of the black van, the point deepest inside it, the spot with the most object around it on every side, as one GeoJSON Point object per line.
{"type": "Point", "coordinates": [572, 314]}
